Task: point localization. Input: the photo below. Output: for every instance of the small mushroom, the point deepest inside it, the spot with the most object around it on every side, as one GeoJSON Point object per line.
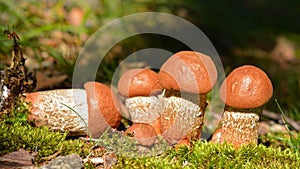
{"type": "Point", "coordinates": [244, 91]}
{"type": "Point", "coordinates": [187, 77]}
{"type": "Point", "coordinates": [95, 105]}
{"type": "Point", "coordinates": [140, 87]}
{"type": "Point", "coordinates": [144, 133]}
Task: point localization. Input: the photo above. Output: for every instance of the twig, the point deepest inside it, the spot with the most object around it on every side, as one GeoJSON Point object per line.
{"type": "Point", "coordinates": [53, 155]}
{"type": "Point", "coordinates": [277, 116]}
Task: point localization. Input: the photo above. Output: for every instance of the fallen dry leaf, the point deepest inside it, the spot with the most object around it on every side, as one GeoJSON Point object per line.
{"type": "Point", "coordinates": [44, 81]}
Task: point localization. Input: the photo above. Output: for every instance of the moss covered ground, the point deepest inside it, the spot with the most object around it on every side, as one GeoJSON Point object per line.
{"type": "Point", "coordinates": [16, 132]}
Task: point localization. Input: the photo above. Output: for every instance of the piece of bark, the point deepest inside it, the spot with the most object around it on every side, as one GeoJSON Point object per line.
{"type": "Point", "coordinates": [16, 159]}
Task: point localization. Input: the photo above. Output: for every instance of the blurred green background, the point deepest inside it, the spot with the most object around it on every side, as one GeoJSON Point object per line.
{"type": "Point", "coordinates": [262, 33]}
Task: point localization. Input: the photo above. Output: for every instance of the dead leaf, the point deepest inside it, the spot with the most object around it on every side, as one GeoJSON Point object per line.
{"type": "Point", "coordinates": [44, 81]}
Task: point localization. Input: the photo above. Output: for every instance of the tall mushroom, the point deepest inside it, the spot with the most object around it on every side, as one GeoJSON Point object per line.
{"type": "Point", "coordinates": [95, 105]}
{"type": "Point", "coordinates": [187, 77]}
{"type": "Point", "coordinates": [244, 91]}
{"type": "Point", "coordinates": [140, 88]}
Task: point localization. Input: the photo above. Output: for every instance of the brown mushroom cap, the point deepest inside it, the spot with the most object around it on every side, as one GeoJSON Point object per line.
{"type": "Point", "coordinates": [246, 87]}
{"type": "Point", "coordinates": [143, 132]}
{"type": "Point", "coordinates": [103, 108]}
{"type": "Point", "coordinates": [139, 82]}
{"type": "Point", "coordinates": [188, 71]}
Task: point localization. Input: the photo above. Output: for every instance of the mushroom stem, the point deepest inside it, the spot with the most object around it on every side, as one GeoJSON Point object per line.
{"type": "Point", "coordinates": [240, 127]}
{"type": "Point", "coordinates": [50, 108]}
{"type": "Point", "coordinates": [183, 113]}
{"type": "Point", "coordinates": [145, 110]}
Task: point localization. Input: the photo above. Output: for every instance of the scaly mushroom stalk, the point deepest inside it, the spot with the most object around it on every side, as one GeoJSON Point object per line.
{"type": "Point", "coordinates": [47, 108]}
{"type": "Point", "coordinates": [244, 91]}
{"type": "Point", "coordinates": [240, 126]}
{"type": "Point", "coordinates": [187, 77]}
{"type": "Point", "coordinates": [184, 114]}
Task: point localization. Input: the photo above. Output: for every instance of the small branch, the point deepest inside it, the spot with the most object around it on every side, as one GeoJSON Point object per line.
{"type": "Point", "coordinates": [53, 155]}
{"type": "Point", "coordinates": [277, 116]}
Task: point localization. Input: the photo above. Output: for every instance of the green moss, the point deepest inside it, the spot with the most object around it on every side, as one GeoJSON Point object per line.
{"type": "Point", "coordinates": [209, 155]}
{"type": "Point", "coordinates": [122, 145]}
{"type": "Point", "coordinates": [16, 133]}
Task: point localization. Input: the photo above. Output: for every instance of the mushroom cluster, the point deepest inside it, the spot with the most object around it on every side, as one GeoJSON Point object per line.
{"type": "Point", "coordinates": [177, 112]}
{"type": "Point", "coordinates": [170, 103]}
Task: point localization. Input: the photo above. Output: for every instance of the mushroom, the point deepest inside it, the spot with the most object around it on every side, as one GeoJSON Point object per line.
{"type": "Point", "coordinates": [94, 106]}
{"type": "Point", "coordinates": [144, 133]}
{"type": "Point", "coordinates": [244, 91]}
{"type": "Point", "coordinates": [140, 87]}
{"type": "Point", "coordinates": [187, 77]}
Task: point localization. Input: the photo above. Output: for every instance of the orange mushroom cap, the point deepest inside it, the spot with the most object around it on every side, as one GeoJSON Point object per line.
{"type": "Point", "coordinates": [103, 108]}
{"type": "Point", "coordinates": [246, 87]}
{"type": "Point", "coordinates": [189, 71]}
{"type": "Point", "coordinates": [143, 132]}
{"type": "Point", "coordinates": [139, 82]}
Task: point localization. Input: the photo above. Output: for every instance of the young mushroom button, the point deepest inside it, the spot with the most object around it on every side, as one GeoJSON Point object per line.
{"type": "Point", "coordinates": [244, 91]}
{"type": "Point", "coordinates": [187, 77]}
{"type": "Point", "coordinates": [143, 133]}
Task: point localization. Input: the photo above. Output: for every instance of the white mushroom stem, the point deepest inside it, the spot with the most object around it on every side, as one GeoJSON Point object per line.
{"type": "Point", "coordinates": [240, 128]}
{"type": "Point", "coordinates": [144, 109]}
{"type": "Point", "coordinates": [182, 116]}
{"type": "Point", "coordinates": [49, 108]}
